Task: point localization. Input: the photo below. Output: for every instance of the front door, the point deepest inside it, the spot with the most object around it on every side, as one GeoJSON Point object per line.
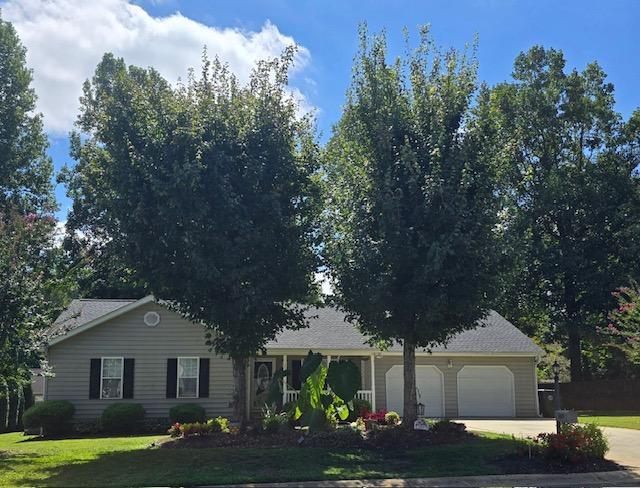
{"type": "Point", "coordinates": [263, 370]}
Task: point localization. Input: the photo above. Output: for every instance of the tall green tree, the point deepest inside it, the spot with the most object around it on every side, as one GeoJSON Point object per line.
{"type": "Point", "coordinates": [26, 220]}
{"type": "Point", "coordinates": [571, 208]}
{"type": "Point", "coordinates": [207, 192]}
{"type": "Point", "coordinates": [410, 210]}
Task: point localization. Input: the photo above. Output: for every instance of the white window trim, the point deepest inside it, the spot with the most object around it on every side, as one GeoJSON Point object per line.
{"type": "Point", "coordinates": [121, 376]}
{"type": "Point", "coordinates": [197, 377]}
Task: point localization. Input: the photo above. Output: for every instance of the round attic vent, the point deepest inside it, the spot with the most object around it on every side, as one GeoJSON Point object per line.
{"type": "Point", "coordinates": [151, 319]}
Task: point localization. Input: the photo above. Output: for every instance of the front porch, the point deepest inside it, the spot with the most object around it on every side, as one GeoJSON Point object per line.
{"type": "Point", "coordinates": [263, 367]}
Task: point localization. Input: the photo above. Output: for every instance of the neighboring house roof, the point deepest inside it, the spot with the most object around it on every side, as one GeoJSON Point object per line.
{"type": "Point", "coordinates": [327, 329]}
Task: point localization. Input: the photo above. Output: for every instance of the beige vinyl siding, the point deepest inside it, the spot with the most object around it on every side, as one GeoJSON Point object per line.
{"type": "Point", "coordinates": [522, 368]}
{"type": "Point", "coordinates": [127, 336]}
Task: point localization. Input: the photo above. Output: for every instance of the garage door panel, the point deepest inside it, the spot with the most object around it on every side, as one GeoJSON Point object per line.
{"type": "Point", "coordinates": [429, 386]}
{"type": "Point", "coordinates": [485, 391]}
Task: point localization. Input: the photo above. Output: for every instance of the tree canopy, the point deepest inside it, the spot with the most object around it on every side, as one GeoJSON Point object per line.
{"type": "Point", "coordinates": [26, 206]}
{"type": "Point", "coordinates": [410, 208]}
{"type": "Point", "coordinates": [566, 161]}
{"type": "Point", "coordinates": [206, 190]}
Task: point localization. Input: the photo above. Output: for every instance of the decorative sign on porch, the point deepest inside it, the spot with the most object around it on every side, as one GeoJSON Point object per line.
{"type": "Point", "coordinates": [420, 424]}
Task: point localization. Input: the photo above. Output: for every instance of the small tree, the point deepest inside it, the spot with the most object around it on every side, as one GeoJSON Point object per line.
{"type": "Point", "coordinates": [206, 191]}
{"type": "Point", "coordinates": [409, 196]}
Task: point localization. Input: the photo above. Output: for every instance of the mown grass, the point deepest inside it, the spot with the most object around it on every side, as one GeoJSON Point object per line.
{"type": "Point", "coordinates": [128, 461]}
{"type": "Point", "coordinates": [623, 419]}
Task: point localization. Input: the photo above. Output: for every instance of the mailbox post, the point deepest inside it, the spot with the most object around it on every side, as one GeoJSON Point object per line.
{"type": "Point", "coordinates": [556, 396]}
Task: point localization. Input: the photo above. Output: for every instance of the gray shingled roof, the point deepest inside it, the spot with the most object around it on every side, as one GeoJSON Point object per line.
{"type": "Point", "coordinates": [84, 310]}
{"type": "Point", "coordinates": [329, 330]}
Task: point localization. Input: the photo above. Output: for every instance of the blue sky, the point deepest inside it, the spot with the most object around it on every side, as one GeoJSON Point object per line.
{"type": "Point", "coordinates": [585, 30]}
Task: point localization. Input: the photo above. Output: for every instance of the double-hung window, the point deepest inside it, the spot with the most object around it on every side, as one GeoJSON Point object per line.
{"type": "Point", "coordinates": [188, 377]}
{"type": "Point", "coordinates": [111, 378]}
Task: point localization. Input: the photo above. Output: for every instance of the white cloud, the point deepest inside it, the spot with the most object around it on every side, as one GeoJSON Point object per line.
{"type": "Point", "coordinates": [66, 39]}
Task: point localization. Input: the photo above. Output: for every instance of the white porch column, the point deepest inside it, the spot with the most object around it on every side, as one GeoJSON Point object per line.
{"type": "Point", "coordinates": [284, 379]}
{"type": "Point", "coordinates": [373, 382]}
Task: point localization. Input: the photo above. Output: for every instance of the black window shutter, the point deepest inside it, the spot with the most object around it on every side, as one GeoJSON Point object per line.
{"type": "Point", "coordinates": [203, 381]}
{"type": "Point", "coordinates": [127, 387]}
{"type": "Point", "coordinates": [94, 378]}
{"type": "Point", "coordinates": [296, 364]}
{"type": "Point", "coordinates": [172, 377]}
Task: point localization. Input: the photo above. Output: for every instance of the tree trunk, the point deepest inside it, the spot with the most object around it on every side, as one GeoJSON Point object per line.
{"type": "Point", "coordinates": [574, 351]}
{"type": "Point", "coordinates": [574, 347]}
{"type": "Point", "coordinates": [240, 390]}
{"type": "Point", "coordinates": [410, 403]}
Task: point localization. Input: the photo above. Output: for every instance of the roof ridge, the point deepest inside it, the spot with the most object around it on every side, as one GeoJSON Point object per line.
{"type": "Point", "coordinates": [107, 299]}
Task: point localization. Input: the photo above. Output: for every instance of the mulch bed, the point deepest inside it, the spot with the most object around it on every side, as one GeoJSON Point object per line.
{"type": "Point", "coordinates": [383, 438]}
{"type": "Point", "coordinates": [280, 439]}
{"type": "Point", "coordinates": [519, 464]}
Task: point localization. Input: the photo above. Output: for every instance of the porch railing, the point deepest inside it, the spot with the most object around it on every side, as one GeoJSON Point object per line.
{"type": "Point", "coordinates": [292, 395]}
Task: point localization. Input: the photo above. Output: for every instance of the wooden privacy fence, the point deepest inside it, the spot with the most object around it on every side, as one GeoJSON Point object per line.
{"type": "Point", "coordinates": [599, 394]}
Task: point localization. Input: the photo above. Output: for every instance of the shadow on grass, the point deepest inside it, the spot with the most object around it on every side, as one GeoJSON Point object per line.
{"type": "Point", "coordinates": [162, 467]}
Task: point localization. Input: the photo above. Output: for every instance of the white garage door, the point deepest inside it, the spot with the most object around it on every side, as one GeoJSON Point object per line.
{"type": "Point", "coordinates": [428, 386]}
{"type": "Point", "coordinates": [485, 391]}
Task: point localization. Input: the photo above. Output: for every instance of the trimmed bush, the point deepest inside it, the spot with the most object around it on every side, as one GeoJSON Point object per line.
{"type": "Point", "coordinates": [123, 418]}
{"type": "Point", "coordinates": [340, 438]}
{"type": "Point", "coordinates": [219, 424]}
{"type": "Point", "coordinates": [211, 426]}
{"type": "Point", "coordinates": [392, 418]}
{"type": "Point", "coordinates": [574, 443]}
{"type": "Point", "coordinates": [53, 416]}
{"type": "Point", "coordinates": [187, 413]}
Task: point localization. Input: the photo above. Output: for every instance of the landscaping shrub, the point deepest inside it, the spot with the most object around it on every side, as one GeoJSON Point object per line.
{"type": "Point", "coordinates": [54, 416]}
{"type": "Point", "coordinates": [175, 430]}
{"type": "Point", "coordinates": [87, 427]}
{"type": "Point", "coordinates": [186, 413]}
{"type": "Point", "coordinates": [574, 443]}
{"type": "Point", "coordinates": [359, 424]}
{"type": "Point", "coordinates": [123, 418]}
{"type": "Point", "coordinates": [212, 426]}
{"type": "Point", "coordinates": [273, 422]}
{"type": "Point", "coordinates": [392, 418]}
{"type": "Point", "coordinates": [360, 407]}
{"type": "Point", "coordinates": [155, 425]}
{"type": "Point", "coordinates": [447, 427]}
{"type": "Point", "coordinates": [219, 424]}
{"type": "Point", "coordinates": [340, 438]}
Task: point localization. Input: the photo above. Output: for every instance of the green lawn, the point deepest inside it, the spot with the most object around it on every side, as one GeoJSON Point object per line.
{"type": "Point", "coordinates": [626, 420]}
{"type": "Point", "coordinates": [127, 461]}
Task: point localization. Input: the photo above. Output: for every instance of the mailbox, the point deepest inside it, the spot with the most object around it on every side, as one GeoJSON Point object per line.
{"type": "Point", "coordinates": [566, 416]}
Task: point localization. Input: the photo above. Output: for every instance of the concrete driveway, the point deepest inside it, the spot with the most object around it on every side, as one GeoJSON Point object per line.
{"type": "Point", "coordinates": [624, 443]}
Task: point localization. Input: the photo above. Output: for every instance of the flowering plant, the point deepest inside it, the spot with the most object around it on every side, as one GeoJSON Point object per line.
{"type": "Point", "coordinates": [623, 328]}
{"type": "Point", "coordinates": [573, 443]}
{"type": "Point", "coordinates": [174, 430]}
{"type": "Point", "coordinates": [378, 416]}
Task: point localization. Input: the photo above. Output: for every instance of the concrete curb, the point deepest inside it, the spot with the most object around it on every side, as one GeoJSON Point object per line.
{"type": "Point", "coordinates": [606, 478]}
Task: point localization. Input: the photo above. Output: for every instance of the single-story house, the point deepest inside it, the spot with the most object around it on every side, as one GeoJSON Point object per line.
{"type": "Point", "coordinates": [106, 351]}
